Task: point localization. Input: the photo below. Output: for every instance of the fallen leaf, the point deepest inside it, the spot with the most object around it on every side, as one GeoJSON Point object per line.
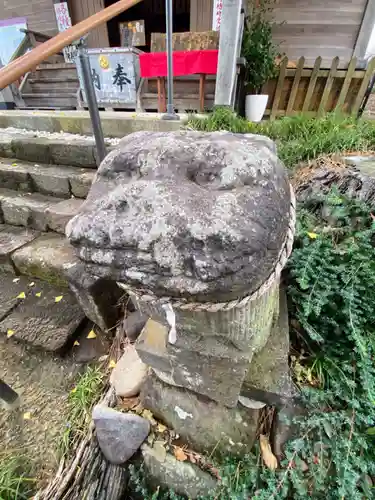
{"type": "Point", "coordinates": [74, 390]}
{"type": "Point", "coordinates": [91, 335]}
{"type": "Point", "coordinates": [268, 457]}
{"type": "Point", "coordinates": [112, 363]}
{"type": "Point", "coordinates": [38, 294]}
{"type": "Point", "coordinates": [129, 403]}
{"type": "Point", "coordinates": [149, 416]}
{"type": "Point", "coordinates": [10, 333]}
{"type": "Point", "coordinates": [22, 295]}
{"type": "Point", "coordinates": [180, 454]}
{"type": "Point", "coordinates": [14, 164]}
{"type": "Point", "coordinates": [59, 298]}
{"type": "Point", "coordinates": [16, 280]}
{"type": "Point", "coordinates": [32, 284]}
{"type": "Point", "coordinates": [27, 416]}
{"type": "Point", "coordinates": [304, 466]}
{"type": "Point", "coordinates": [312, 236]}
{"type": "Point", "coordinates": [161, 428]}
{"type": "Point", "coordinates": [76, 342]}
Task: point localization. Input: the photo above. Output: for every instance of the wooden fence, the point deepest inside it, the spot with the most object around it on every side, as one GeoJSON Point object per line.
{"type": "Point", "coordinates": [316, 91]}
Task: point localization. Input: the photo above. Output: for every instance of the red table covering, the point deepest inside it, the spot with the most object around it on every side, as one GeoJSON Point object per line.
{"type": "Point", "coordinates": [187, 62]}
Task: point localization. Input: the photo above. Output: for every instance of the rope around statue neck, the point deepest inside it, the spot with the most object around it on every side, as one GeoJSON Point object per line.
{"type": "Point", "coordinates": [286, 250]}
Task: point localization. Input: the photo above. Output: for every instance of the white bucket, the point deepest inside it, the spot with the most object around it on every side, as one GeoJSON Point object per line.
{"type": "Point", "coordinates": [255, 107]}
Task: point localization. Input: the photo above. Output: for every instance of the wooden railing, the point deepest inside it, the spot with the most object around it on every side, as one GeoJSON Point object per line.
{"type": "Point", "coordinates": [19, 67]}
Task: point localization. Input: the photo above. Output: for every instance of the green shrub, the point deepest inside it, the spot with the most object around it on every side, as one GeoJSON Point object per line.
{"type": "Point", "coordinates": [299, 138]}
{"type": "Point", "coordinates": [15, 480]}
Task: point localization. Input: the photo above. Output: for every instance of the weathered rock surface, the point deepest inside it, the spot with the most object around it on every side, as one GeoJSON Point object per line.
{"type": "Point", "coordinates": [39, 320]}
{"type": "Point", "coordinates": [268, 378]}
{"type": "Point", "coordinates": [182, 477]}
{"type": "Point", "coordinates": [133, 325]}
{"type": "Point", "coordinates": [207, 426]}
{"type": "Point", "coordinates": [119, 435]}
{"type": "Point", "coordinates": [129, 374]}
{"type": "Point", "coordinates": [212, 370]}
{"type": "Point", "coordinates": [12, 238]}
{"type": "Point", "coordinates": [186, 213]}
{"type": "Point", "coordinates": [59, 215]}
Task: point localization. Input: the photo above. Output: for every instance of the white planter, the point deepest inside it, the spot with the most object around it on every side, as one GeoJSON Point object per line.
{"type": "Point", "coordinates": [255, 106]}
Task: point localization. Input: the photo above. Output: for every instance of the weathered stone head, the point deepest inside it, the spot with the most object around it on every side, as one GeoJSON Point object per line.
{"type": "Point", "coordinates": [201, 215]}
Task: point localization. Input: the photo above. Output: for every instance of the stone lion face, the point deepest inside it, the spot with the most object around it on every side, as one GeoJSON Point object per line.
{"type": "Point", "coordinates": [186, 214]}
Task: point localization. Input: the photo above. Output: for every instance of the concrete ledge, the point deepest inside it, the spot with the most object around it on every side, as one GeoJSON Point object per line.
{"type": "Point", "coordinates": [115, 124]}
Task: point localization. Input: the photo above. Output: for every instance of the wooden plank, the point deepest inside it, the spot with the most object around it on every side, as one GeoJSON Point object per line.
{"type": "Point", "coordinates": [328, 86]}
{"type": "Point", "coordinates": [279, 88]}
{"type": "Point", "coordinates": [311, 87]}
{"type": "Point", "coordinates": [340, 73]}
{"type": "Point", "coordinates": [202, 91]}
{"type": "Point", "coordinates": [346, 84]}
{"type": "Point", "coordinates": [365, 30]}
{"type": "Point", "coordinates": [362, 90]}
{"type": "Point", "coordinates": [293, 92]}
{"type": "Point", "coordinates": [201, 15]}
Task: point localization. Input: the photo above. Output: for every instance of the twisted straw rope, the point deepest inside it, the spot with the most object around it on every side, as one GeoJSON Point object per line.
{"type": "Point", "coordinates": [286, 250]}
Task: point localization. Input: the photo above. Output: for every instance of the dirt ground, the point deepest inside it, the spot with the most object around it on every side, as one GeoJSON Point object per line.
{"type": "Point", "coordinates": [43, 383]}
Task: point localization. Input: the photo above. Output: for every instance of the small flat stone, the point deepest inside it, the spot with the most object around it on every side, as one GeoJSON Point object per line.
{"type": "Point", "coordinates": [130, 373]}
{"type": "Point", "coordinates": [80, 182]}
{"type": "Point", "coordinates": [12, 238]}
{"type": "Point", "coordinates": [41, 321]}
{"type": "Point", "coordinates": [59, 215]}
{"type": "Point", "coordinates": [119, 435]}
{"type": "Point", "coordinates": [182, 477]}
{"type": "Point", "coordinates": [48, 257]}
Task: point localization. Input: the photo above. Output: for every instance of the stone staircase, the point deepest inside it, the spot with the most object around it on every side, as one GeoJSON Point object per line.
{"type": "Point", "coordinates": [37, 199]}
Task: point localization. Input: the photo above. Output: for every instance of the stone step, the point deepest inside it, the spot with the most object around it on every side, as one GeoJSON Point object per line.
{"type": "Point", "coordinates": [39, 314]}
{"type": "Point", "coordinates": [37, 211]}
{"type": "Point", "coordinates": [43, 147]}
{"type": "Point", "coordinates": [53, 180]}
{"type": "Point", "coordinates": [48, 257]}
{"type": "Point", "coordinates": [114, 123]}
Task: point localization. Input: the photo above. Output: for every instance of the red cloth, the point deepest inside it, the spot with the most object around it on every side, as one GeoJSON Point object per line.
{"type": "Point", "coordinates": [187, 62]}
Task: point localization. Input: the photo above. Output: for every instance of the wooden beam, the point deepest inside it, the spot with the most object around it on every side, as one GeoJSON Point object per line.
{"type": "Point", "coordinates": [229, 49]}
{"type": "Point", "coordinates": [365, 31]}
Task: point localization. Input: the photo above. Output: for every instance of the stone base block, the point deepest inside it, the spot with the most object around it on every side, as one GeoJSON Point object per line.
{"type": "Point", "coordinates": [206, 426]}
{"type": "Point", "coordinates": [214, 370]}
{"type": "Point", "coordinates": [12, 238]}
{"type": "Point", "coordinates": [268, 377]}
{"type": "Point", "coordinates": [182, 477]}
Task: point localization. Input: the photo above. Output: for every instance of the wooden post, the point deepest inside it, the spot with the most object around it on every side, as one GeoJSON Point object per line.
{"type": "Point", "coordinates": [364, 33]}
{"type": "Point", "coordinates": [202, 91]}
{"type": "Point", "coordinates": [229, 49]}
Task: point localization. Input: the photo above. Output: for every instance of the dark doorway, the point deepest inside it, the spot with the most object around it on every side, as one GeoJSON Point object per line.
{"type": "Point", "coordinates": [153, 14]}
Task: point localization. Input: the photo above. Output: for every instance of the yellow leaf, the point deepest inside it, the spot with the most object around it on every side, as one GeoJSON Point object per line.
{"type": "Point", "coordinates": [312, 236]}
{"type": "Point", "coordinates": [149, 416]}
{"type": "Point", "coordinates": [10, 333]}
{"type": "Point", "coordinates": [112, 363]}
{"type": "Point", "coordinates": [74, 390]}
{"type": "Point", "coordinates": [38, 294]}
{"type": "Point", "coordinates": [22, 295]}
{"type": "Point", "coordinates": [14, 164]}
{"type": "Point", "coordinates": [76, 343]}
{"type": "Point", "coordinates": [27, 415]}
{"type": "Point", "coordinates": [91, 335]}
{"type": "Point", "coordinates": [180, 454]}
{"type": "Point", "coordinates": [161, 428]}
{"type": "Point", "coordinates": [16, 280]}
{"type": "Point", "coordinates": [32, 284]}
{"type": "Point", "coordinates": [269, 458]}
{"type": "Point", "coordinates": [59, 298]}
